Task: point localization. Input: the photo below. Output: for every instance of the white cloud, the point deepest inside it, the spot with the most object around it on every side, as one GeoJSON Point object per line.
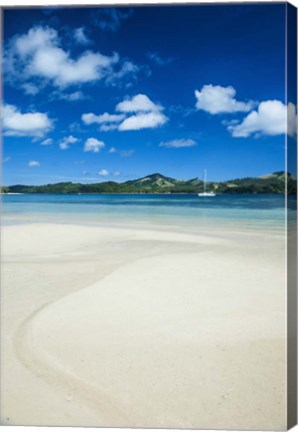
{"type": "Point", "coordinates": [108, 127]}
{"type": "Point", "coordinates": [93, 145]}
{"type": "Point", "coordinates": [103, 172]}
{"type": "Point", "coordinates": [54, 63]}
{"type": "Point", "coordinates": [80, 36]}
{"type": "Point", "coordinates": [65, 142]}
{"type": "Point", "coordinates": [113, 150]}
{"type": "Point", "coordinates": [269, 119]}
{"type": "Point", "coordinates": [138, 103]}
{"type": "Point", "coordinates": [39, 54]}
{"type": "Point", "coordinates": [47, 141]}
{"type": "Point", "coordinates": [147, 114]}
{"type": "Point", "coordinates": [90, 118]}
{"type": "Point", "coordinates": [138, 112]}
{"type": "Point", "coordinates": [16, 123]}
{"type": "Point", "coordinates": [116, 173]}
{"type": "Point", "coordinates": [33, 163]}
{"type": "Point", "coordinates": [178, 143]}
{"type": "Point", "coordinates": [7, 159]}
{"type": "Point", "coordinates": [143, 121]}
{"type": "Point", "coordinates": [36, 38]}
{"type": "Point", "coordinates": [218, 99]}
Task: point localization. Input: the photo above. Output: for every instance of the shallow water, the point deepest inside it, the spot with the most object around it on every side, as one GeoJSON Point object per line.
{"type": "Point", "coordinates": [185, 210]}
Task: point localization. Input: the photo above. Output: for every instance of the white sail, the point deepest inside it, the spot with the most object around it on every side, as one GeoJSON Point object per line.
{"type": "Point", "coordinates": [205, 193]}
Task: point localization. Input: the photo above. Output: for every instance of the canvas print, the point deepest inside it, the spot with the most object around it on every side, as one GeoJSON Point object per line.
{"type": "Point", "coordinates": [149, 216]}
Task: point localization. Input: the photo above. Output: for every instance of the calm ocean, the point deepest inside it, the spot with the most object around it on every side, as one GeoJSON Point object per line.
{"type": "Point", "coordinates": [243, 211]}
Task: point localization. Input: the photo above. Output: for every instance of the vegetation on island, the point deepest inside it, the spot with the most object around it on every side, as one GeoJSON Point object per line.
{"type": "Point", "coordinates": [157, 183]}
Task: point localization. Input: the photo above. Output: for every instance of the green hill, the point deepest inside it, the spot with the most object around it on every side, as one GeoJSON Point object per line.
{"type": "Point", "coordinates": [158, 183]}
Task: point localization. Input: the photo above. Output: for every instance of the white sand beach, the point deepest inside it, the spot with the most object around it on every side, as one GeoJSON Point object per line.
{"type": "Point", "coordinates": [143, 327]}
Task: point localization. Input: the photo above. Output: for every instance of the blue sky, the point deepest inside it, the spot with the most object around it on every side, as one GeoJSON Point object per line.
{"type": "Point", "coordinates": [114, 94]}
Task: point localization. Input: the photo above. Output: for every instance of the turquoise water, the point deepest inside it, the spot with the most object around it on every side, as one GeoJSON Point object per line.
{"type": "Point", "coordinates": [246, 211]}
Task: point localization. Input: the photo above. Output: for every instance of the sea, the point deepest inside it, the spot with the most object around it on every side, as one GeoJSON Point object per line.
{"type": "Point", "coordinates": [252, 212]}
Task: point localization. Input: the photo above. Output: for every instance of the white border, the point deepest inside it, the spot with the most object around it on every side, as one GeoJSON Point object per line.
{"type": "Point", "coordinates": [125, 2]}
{"type": "Point", "coordinates": [101, 3]}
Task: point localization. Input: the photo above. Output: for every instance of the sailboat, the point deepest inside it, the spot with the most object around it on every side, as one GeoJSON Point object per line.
{"type": "Point", "coordinates": [205, 193]}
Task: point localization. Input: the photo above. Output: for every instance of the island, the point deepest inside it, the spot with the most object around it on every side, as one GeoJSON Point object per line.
{"type": "Point", "coordinates": [157, 183]}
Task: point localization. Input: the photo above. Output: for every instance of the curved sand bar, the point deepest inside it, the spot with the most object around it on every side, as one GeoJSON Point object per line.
{"type": "Point", "coordinates": [144, 328]}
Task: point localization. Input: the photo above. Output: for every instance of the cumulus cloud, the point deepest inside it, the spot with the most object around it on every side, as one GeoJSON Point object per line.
{"type": "Point", "coordinates": [39, 55]}
{"type": "Point", "coordinates": [143, 121]}
{"type": "Point", "coordinates": [138, 112]}
{"type": "Point", "coordinates": [54, 64]}
{"type": "Point", "coordinates": [110, 19]}
{"type": "Point", "coordinates": [272, 117]}
{"type": "Point", "coordinates": [218, 99]}
{"type": "Point", "coordinates": [103, 172]}
{"type": "Point", "coordinates": [80, 36]}
{"type": "Point", "coordinates": [65, 142]}
{"type": "Point", "coordinates": [46, 142]}
{"type": "Point", "coordinates": [16, 123]}
{"type": "Point", "coordinates": [145, 113]}
{"type": "Point", "coordinates": [105, 118]}
{"type": "Point", "coordinates": [93, 145]}
{"type": "Point", "coordinates": [33, 164]}
{"type": "Point", "coordinates": [138, 103]}
{"type": "Point", "coordinates": [178, 143]}
{"type": "Point", "coordinates": [7, 159]}
{"type": "Point", "coordinates": [113, 150]}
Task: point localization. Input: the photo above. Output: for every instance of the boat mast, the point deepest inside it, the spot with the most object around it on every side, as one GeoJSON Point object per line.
{"type": "Point", "coordinates": [205, 180]}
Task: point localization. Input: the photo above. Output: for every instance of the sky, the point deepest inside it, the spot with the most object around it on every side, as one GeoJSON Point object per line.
{"type": "Point", "coordinates": [100, 94]}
